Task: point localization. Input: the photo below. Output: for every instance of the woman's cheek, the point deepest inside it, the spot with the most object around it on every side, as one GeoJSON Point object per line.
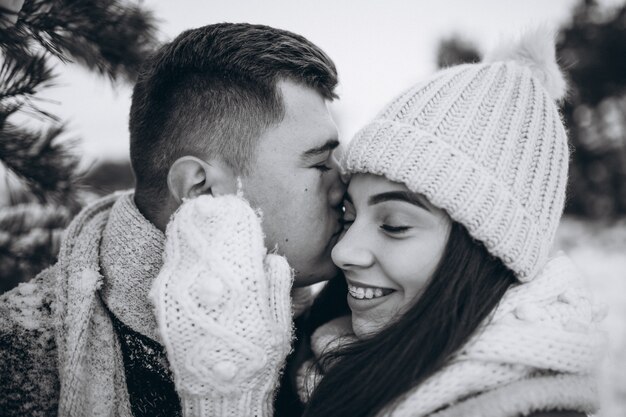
{"type": "Point", "coordinates": [411, 265]}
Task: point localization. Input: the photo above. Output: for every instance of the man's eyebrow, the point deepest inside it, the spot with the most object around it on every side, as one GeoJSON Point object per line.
{"type": "Point", "coordinates": [406, 196]}
{"type": "Point", "coordinates": [328, 146]}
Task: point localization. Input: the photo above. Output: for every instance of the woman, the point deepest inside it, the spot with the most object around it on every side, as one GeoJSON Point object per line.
{"type": "Point", "coordinates": [455, 306]}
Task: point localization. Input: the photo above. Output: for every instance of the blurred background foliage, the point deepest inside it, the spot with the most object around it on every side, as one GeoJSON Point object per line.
{"type": "Point", "coordinates": [41, 187]}
{"type": "Point", "coordinates": [592, 52]}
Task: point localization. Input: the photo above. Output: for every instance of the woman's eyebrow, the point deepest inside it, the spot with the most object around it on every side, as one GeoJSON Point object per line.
{"type": "Point", "coordinates": [397, 196]}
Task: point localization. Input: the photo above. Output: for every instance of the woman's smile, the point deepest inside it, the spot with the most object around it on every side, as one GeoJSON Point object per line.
{"type": "Point", "coordinates": [363, 297]}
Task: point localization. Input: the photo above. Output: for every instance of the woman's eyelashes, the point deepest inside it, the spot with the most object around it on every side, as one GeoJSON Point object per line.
{"type": "Point", "coordinates": [396, 230]}
{"type": "Point", "coordinates": [394, 223]}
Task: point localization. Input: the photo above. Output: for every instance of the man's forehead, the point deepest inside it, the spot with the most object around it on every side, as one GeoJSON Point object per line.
{"type": "Point", "coordinates": [297, 148]}
{"type": "Point", "coordinates": [306, 139]}
{"type": "Point", "coordinates": [307, 128]}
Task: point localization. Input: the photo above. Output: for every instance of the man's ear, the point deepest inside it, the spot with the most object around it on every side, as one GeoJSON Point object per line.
{"type": "Point", "coordinates": [190, 177]}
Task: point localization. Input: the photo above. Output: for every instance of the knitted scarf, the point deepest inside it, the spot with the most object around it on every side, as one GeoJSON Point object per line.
{"type": "Point", "coordinates": [110, 237]}
{"type": "Point", "coordinates": [537, 351]}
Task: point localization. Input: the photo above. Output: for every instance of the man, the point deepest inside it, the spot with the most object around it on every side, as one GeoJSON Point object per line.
{"type": "Point", "coordinates": [221, 107]}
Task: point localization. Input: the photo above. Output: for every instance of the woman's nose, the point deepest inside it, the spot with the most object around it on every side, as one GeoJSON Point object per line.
{"type": "Point", "coordinates": [352, 252]}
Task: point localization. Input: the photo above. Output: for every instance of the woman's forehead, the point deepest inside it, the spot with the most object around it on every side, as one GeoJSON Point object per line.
{"type": "Point", "coordinates": [363, 186]}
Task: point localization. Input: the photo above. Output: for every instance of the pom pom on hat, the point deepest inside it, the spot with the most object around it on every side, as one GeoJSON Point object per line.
{"type": "Point", "coordinates": [535, 49]}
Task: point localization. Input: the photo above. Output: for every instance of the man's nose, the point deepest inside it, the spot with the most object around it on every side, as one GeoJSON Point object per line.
{"type": "Point", "coordinates": [351, 251]}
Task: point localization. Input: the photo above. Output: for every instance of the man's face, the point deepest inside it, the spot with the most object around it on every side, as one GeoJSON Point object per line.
{"type": "Point", "coordinates": [295, 182]}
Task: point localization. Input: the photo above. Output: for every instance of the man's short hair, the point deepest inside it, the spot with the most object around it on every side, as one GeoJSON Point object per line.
{"type": "Point", "coordinates": [211, 92]}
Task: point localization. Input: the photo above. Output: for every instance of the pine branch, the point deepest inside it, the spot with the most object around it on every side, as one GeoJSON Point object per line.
{"type": "Point", "coordinates": [47, 166]}
{"type": "Point", "coordinates": [21, 77]}
{"type": "Point", "coordinates": [107, 36]}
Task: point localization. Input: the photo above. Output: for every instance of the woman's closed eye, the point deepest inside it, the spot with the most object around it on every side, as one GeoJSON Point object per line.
{"type": "Point", "coordinates": [394, 229]}
{"type": "Point", "coordinates": [394, 224]}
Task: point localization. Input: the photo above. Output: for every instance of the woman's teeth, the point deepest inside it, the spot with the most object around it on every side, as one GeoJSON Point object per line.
{"type": "Point", "coordinates": [361, 293]}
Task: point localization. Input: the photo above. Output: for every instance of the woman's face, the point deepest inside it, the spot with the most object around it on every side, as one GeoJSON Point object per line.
{"type": "Point", "coordinates": [392, 242]}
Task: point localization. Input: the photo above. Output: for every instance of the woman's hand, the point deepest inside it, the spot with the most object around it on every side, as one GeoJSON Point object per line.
{"type": "Point", "coordinates": [223, 308]}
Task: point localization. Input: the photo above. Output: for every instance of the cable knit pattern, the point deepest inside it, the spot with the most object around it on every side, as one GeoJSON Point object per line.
{"type": "Point", "coordinates": [223, 308]}
{"type": "Point", "coordinates": [484, 142]}
{"type": "Point", "coordinates": [544, 328]}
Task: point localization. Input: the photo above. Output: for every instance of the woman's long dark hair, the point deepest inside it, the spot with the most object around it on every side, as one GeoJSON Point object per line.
{"type": "Point", "coordinates": [368, 375]}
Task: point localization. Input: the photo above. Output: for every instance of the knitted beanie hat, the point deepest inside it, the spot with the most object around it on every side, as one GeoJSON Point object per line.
{"type": "Point", "coordinates": [486, 143]}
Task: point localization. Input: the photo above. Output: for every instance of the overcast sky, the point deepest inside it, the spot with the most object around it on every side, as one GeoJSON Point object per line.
{"type": "Point", "coordinates": [379, 47]}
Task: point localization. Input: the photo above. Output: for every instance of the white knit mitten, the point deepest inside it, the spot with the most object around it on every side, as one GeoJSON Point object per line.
{"type": "Point", "coordinates": [223, 309]}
